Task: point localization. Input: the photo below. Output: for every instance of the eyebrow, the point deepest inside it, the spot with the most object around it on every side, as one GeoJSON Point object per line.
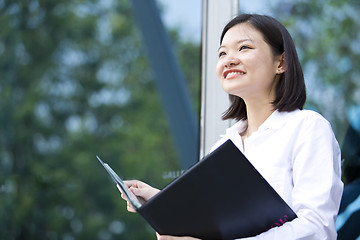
{"type": "Point", "coordinates": [240, 41]}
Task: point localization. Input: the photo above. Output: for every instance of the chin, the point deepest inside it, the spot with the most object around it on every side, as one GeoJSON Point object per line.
{"type": "Point", "coordinates": [231, 89]}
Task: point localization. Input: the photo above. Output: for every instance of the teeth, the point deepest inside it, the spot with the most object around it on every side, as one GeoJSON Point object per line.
{"type": "Point", "coordinates": [235, 73]}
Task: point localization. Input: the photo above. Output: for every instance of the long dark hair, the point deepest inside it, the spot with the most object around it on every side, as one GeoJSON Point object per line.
{"type": "Point", "coordinates": [290, 90]}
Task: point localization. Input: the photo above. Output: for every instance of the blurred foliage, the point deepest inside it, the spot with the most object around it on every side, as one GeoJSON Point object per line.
{"type": "Point", "coordinates": [75, 84]}
{"type": "Point", "coordinates": [327, 36]}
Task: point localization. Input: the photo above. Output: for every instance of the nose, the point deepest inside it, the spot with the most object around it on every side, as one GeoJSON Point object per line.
{"type": "Point", "coordinates": [232, 61]}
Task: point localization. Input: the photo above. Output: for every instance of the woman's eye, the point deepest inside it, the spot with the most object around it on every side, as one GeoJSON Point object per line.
{"type": "Point", "coordinates": [243, 48]}
{"type": "Point", "coordinates": [222, 54]}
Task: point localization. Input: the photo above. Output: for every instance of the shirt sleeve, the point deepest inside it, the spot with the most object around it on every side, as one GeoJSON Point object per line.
{"type": "Point", "coordinates": [317, 185]}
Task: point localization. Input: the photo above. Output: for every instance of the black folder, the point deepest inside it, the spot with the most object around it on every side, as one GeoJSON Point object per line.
{"type": "Point", "coordinates": [221, 197]}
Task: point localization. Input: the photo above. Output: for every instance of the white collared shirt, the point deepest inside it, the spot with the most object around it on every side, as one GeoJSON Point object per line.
{"type": "Point", "coordinates": [297, 153]}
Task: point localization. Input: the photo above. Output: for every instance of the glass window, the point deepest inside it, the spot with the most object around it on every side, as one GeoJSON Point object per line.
{"type": "Point", "coordinates": [327, 39]}
{"type": "Point", "coordinates": [77, 81]}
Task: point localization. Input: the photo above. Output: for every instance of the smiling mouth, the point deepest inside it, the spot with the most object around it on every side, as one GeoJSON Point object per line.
{"type": "Point", "coordinates": [231, 74]}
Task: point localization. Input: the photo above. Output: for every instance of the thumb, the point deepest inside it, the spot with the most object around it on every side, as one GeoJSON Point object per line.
{"type": "Point", "coordinates": [145, 193]}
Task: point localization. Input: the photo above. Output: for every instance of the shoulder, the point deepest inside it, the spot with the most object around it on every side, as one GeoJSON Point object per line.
{"type": "Point", "coordinates": [295, 121]}
{"type": "Point", "coordinates": [310, 114]}
{"type": "Point", "coordinates": [308, 118]}
{"type": "Point", "coordinates": [312, 128]}
{"type": "Point", "coordinates": [307, 127]}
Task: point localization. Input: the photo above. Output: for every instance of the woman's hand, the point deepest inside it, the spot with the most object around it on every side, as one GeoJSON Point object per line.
{"type": "Point", "coordinates": [140, 189]}
{"type": "Point", "coordinates": [145, 191]}
{"type": "Point", "coordinates": [163, 237]}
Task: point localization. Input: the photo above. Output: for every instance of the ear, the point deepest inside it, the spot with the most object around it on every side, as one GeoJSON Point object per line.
{"type": "Point", "coordinates": [281, 64]}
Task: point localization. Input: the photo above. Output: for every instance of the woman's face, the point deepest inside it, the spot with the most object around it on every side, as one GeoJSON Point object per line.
{"type": "Point", "coordinates": [247, 67]}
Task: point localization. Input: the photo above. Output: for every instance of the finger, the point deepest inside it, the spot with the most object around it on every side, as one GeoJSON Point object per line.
{"type": "Point", "coordinates": [166, 237]}
{"type": "Point", "coordinates": [124, 197]}
{"type": "Point", "coordinates": [159, 237]}
{"type": "Point", "coordinates": [136, 184]}
{"type": "Point", "coordinates": [132, 183]}
{"type": "Point", "coordinates": [122, 194]}
{"type": "Point", "coordinates": [130, 208]}
{"type": "Point", "coordinates": [120, 190]}
{"type": "Point", "coordinates": [163, 237]}
{"type": "Point", "coordinates": [141, 192]}
{"type": "Point", "coordinates": [145, 193]}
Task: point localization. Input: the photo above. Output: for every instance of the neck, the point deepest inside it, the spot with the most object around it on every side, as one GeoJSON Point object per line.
{"type": "Point", "coordinates": [257, 113]}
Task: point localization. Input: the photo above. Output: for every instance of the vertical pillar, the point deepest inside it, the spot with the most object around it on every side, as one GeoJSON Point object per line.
{"type": "Point", "coordinates": [169, 80]}
{"type": "Point", "coordinates": [214, 100]}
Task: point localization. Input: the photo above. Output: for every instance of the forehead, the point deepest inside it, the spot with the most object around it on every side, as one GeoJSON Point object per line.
{"type": "Point", "coordinates": [242, 31]}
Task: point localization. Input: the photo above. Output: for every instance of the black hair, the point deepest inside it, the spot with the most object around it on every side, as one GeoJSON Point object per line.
{"type": "Point", "coordinates": [290, 90]}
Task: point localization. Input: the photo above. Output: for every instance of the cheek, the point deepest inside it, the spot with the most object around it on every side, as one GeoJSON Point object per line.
{"type": "Point", "coordinates": [219, 69]}
{"type": "Point", "coordinates": [259, 66]}
{"type": "Point", "coordinates": [266, 62]}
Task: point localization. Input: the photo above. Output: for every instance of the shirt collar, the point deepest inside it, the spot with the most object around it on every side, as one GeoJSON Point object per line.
{"type": "Point", "coordinates": [275, 121]}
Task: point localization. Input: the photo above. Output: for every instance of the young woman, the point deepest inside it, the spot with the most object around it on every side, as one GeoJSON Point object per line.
{"type": "Point", "coordinates": [295, 150]}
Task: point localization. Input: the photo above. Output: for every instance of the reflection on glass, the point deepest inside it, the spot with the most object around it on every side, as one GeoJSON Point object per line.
{"type": "Point", "coordinates": [76, 82]}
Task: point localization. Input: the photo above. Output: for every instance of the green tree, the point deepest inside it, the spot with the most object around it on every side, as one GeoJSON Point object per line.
{"type": "Point", "coordinates": [326, 34]}
{"type": "Point", "coordinates": [75, 84]}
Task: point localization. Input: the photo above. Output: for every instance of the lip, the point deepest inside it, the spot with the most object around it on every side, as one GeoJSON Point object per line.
{"type": "Point", "coordinates": [234, 73]}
